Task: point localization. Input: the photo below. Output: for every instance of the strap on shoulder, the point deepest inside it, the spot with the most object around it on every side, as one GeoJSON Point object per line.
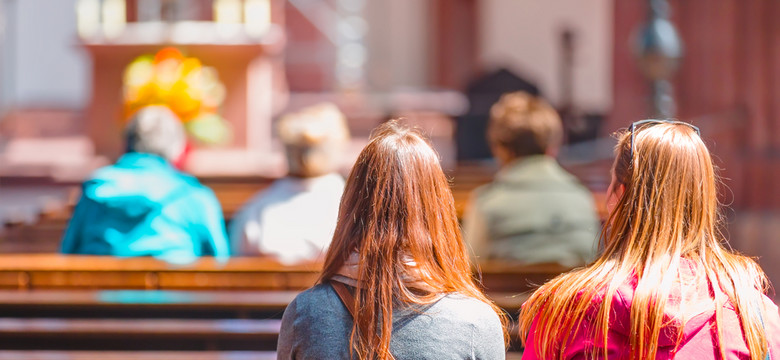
{"type": "Point", "coordinates": [345, 295]}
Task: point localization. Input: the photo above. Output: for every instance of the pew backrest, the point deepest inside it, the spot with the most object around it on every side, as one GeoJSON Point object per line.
{"type": "Point", "coordinates": [55, 271]}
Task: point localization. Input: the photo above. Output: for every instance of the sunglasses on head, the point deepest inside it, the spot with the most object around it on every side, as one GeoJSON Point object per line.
{"type": "Point", "coordinates": [639, 123]}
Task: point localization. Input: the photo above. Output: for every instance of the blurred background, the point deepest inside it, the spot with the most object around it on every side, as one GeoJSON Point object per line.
{"type": "Point", "coordinates": [72, 70]}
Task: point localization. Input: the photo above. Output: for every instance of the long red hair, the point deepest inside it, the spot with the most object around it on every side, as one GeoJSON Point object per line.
{"type": "Point", "coordinates": [397, 206]}
{"type": "Point", "coordinates": [668, 212]}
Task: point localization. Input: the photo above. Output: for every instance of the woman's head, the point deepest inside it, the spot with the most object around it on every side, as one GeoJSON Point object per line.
{"type": "Point", "coordinates": [398, 216]}
{"type": "Point", "coordinates": [156, 130]}
{"type": "Point", "coordinates": [663, 208]}
{"type": "Point", "coordinates": [523, 125]}
{"type": "Point", "coordinates": [314, 139]}
{"type": "Point", "coordinates": [664, 190]}
{"type": "Point", "coordinates": [397, 204]}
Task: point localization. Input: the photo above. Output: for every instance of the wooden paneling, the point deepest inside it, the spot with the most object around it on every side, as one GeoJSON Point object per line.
{"type": "Point", "coordinates": [455, 41]}
{"type": "Point", "coordinates": [728, 83]}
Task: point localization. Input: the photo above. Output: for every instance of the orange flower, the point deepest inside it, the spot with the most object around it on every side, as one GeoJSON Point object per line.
{"type": "Point", "coordinates": [188, 88]}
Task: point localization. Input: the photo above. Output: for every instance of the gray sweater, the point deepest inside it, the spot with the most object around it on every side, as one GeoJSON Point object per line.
{"type": "Point", "coordinates": [316, 325]}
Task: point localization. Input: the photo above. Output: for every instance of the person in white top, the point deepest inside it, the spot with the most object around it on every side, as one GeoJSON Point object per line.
{"type": "Point", "coordinates": [293, 220]}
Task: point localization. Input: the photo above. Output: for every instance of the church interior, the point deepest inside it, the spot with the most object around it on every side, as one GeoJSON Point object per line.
{"type": "Point", "coordinates": [72, 72]}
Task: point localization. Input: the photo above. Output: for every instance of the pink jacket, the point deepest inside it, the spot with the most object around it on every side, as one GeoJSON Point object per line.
{"type": "Point", "coordinates": [699, 341]}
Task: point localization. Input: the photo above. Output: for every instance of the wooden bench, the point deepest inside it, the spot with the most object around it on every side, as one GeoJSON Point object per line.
{"type": "Point", "coordinates": [55, 271]}
{"type": "Point", "coordinates": [506, 276]}
{"type": "Point", "coordinates": [129, 304]}
{"type": "Point", "coordinates": [135, 355]}
{"type": "Point", "coordinates": [240, 287]}
{"type": "Point", "coordinates": [233, 192]}
{"type": "Point", "coordinates": [52, 271]}
{"type": "Point", "coordinates": [65, 287]}
{"type": "Point", "coordinates": [134, 304]}
{"type": "Point", "coordinates": [248, 288]}
{"type": "Point", "coordinates": [154, 355]}
{"type": "Point", "coordinates": [138, 334]}
{"type": "Point", "coordinates": [42, 321]}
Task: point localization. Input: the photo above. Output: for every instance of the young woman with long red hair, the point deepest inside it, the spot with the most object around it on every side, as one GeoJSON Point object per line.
{"type": "Point", "coordinates": [396, 282]}
{"type": "Point", "coordinates": [665, 286]}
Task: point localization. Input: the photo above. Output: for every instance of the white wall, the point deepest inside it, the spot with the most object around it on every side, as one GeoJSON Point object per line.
{"type": "Point", "coordinates": [397, 43]}
{"type": "Point", "coordinates": [5, 55]}
{"type": "Point", "coordinates": [44, 65]}
{"type": "Point", "coordinates": [524, 36]}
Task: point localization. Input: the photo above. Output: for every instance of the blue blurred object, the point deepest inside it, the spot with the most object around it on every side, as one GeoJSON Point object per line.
{"type": "Point", "coordinates": [659, 50]}
{"type": "Point", "coordinates": [143, 206]}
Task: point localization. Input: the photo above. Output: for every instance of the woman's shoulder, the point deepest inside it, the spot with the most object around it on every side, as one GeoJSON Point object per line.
{"type": "Point", "coordinates": [318, 293]}
{"type": "Point", "coordinates": [322, 301]}
{"type": "Point", "coordinates": [471, 326]}
{"type": "Point", "coordinates": [315, 325]}
{"type": "Point", "coordinates": [319, 300]}
{"type": "Point", "coordinates": [465, 309]}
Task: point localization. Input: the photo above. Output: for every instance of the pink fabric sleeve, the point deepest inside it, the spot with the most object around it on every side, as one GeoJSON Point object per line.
{"type": "Point", "coordinates": [529, 353]}
{"type": "Point", "coordinates": [578, 345]}
{"type": "Point", "coordinates": [772, 326]}
{"type": "Point", "coordinates": [575, 349]}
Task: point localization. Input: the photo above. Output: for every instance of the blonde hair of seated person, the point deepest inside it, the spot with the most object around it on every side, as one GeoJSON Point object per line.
{"type": "Point", "coordinates": [314, 139]}
{"type": "Point", "coordinates": [664, 208]}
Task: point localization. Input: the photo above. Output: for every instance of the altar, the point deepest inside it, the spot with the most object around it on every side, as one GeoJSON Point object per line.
{"type": "Point", "coordinates": [241, 41]}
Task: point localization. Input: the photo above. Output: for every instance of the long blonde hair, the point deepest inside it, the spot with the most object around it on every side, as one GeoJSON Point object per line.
{"type": "Point", "coordinates": [397, 206]}
{"type": "Point", "coordinates": [667, 212]}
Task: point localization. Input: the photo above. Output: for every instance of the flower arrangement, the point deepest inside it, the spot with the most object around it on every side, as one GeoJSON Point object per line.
{"type": "Point", "coordinates": [183, 84]}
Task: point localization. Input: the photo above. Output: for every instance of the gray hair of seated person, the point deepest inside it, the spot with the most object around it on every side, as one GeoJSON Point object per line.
{"type": "Point", "coordinates": [156, 130]}
{"type": "Point", "coordinates": [314, 139]}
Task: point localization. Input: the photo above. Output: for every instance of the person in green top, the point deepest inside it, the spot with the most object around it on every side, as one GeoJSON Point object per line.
{"type": "Point", "coordinates": [142, 205]}
{"type": "Point", "coordinates": [534, 211]}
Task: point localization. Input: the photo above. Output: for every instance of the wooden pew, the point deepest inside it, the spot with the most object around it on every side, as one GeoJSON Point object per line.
{"type": "Point", "coordinates": [53, 271]}
{"type": "Point", "coordinates": [44, 292]}
{"type": "Point", "coordinates": [142, 305]}
{"type": "Point", "coordinates": [266, 286]}
{"type": "Point", "coordinates": [240, 287]}
{"type": "Point", "coordinates": [181, 304]}
{"type": "Point", "coordinates": [149, 304]}
{"type": "Point", "coordinates": [135, 355]}
{"type": "Point", "coordinates": [139, 334]}
{"type": "Point", "coordinates": [233, 192]}
{"type": "Point", "coordinates": [154, 355]}
{"type": "Point", "coordinates": [168, 305]}
{"type": "Point", "coordinates": [56, 271]}
{"type": "Point", "coordinates": [73, 311]}
{"type": "Point", "coordinates": [504, 276]}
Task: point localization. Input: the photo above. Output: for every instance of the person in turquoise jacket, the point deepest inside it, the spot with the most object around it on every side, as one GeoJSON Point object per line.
{"type": "Point", "coordinates": [143, 206]}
